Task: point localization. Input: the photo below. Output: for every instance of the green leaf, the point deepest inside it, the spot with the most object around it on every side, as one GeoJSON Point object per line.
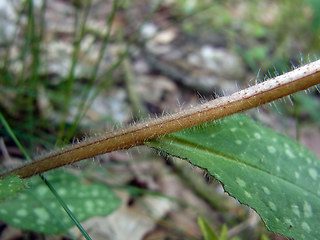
{"type": "Point", "coordinates": [206, 230]}
{"type": "Point", "coordinates": [224, 233]}
{"type": "Point", "coordinates": [10, 186]}
{"type": "Point", "coordinates": [38, 210]}
{"type": "Point", "coordinates": [267, 171]}
{"type": "Point", "coordinates": [264, 237]}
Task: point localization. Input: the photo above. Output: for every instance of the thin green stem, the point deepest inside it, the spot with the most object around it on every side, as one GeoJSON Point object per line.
{"type": "Point", "coordinates": [82, 108]}
{"type": "Point", "coordinates": [136, 104]}
{"type": "Point", "coordinates": [32, 83]}
{"type": "Point", "coordinates": [70, 80]}
{"type": "Point", "coordinates": [24, 50]}
{"type": "Point", "coordinates": [66, 208]}
{"type": "Point", "coordinates": [13, 136]}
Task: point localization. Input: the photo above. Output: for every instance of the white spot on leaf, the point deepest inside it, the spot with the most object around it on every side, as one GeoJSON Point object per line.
{"type": "Point", "coordinates": [272, 206]}
{"type": "Point", "coordinates": [241, 182]}
{"type": "Point", "coordinates": [53, 205]}
{"type": "Point", "coordinates": [289, 153]}
{"type": "Point", "coordinates": [295, 210]}
{"type": "Point", "coordinates": [257, 135]}
{"type": "Point", "coordinates": [42, 214]}
{"type": "Point", "coordinates": [297, 175]}
{"type": "Point", "coordinates": [266, 190]}
{"type": "Point", "coordinates": [71, 208]}
{"type": "Point", "coordinates": [288, 221]}
{"type": "Point", "coordinates": [95, 193]}
{"type": "Point", "coordinates": [313, 173]}
{"type": "Point", "coordinates": [89, 205]}
{"type": "Point", "coordinates": [248, 195]}
{"type": "Point", "coordinates": [271, 149]}
{"type": "Point", "coordinates": [16, 220]}
{"type": "Point", "coordinates": [22, 212]}
{"type": "Point", "coordinates": [238, 142]}
{"type": "Point", "coordinates": [22, 197]}
{"type": "Point", "coordinates": [62, 191]}
{"type": "Point", "coordinates": [307, 210]}
{"type": "Point", "coordinates": [42, 190]}
{"type": "Point", "coordinates": [100, 202]}
{"type": "Point", "coordinates": [309, 161]}
{"type": "Point", "coordinates": [305, 227]}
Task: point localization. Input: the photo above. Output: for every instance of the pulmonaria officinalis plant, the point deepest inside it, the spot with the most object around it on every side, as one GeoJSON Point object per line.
{"type": "Point", "coordinates": [274, 175]}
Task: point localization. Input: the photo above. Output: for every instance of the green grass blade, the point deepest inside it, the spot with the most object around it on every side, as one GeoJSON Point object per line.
{"type": "Point", "coordinates": [13, 136]}
{"type": "Point", "coordinates": [206, 230]}
{"type": "Point", "coordinates": [65, 208]}
{"type": "Point", "coordinates": [82, 109]}
{"type": "Point", "coordinates": [71, 78]}
{"type": "Point", "coordinates": [267, 171]}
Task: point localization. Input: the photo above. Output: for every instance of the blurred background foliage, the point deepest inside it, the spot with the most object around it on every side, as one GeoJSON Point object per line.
{"type": "Point", "coordinates": [269, 36]}
{"type": "Point", "coordinates": [266, 34]}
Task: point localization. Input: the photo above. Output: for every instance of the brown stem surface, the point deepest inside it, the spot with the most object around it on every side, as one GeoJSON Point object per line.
{"type": "Point", "coordinates": [268, 91]}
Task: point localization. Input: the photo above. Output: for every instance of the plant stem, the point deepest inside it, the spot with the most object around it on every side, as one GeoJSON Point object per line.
{"type": "Point", "coordinates": [82, 109]}
{"type": "Point", "coordinates": [138, 110]}
{"type": "Point", "coordinates": [275, 88]}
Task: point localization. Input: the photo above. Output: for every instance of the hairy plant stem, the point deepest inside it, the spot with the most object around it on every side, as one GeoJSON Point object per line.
{"type": "Point", "coordinates": [275, 88]}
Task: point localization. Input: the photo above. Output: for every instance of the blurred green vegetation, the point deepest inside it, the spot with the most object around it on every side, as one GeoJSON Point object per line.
{"type": "Point", "coordinates": [268, 35]}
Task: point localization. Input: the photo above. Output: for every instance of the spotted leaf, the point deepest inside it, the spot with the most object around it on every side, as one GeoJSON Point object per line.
{"type": "Point", "coordinates": [36, 209]}
{"type": "Point", "coordinates": [10, 186]}
{"type": "Point", "coordinates": [267, 171]}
